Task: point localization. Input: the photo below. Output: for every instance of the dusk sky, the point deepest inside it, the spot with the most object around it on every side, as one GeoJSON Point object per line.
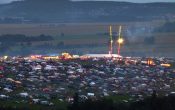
{"type": "Point", "coordinates": [140, 1]}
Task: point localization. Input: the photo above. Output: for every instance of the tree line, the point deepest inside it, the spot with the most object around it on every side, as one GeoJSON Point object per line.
{"type": "Point", "coordinates": [23, 38]}
{"type": "Point", "coordinates": [167, 27]}
{"type": "Point", "coordinates": [150, 103]}
{"type": "Point", "coordinates": [153, 102]}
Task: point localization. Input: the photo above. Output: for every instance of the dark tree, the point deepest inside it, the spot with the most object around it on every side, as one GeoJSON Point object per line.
{"type": "Point", "coordinates": [76, 102]}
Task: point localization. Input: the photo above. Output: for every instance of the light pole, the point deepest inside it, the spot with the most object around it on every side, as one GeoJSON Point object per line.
{"type": "Point", "coordinates": [120, 40]}
{"type": "Point", "coordinates": [111, 41]}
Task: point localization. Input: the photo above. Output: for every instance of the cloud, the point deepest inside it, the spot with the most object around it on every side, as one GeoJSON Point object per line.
{"type": "Point", "coordinates": [6, 1]}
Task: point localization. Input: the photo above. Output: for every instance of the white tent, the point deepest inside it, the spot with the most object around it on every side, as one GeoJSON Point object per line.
{"type": "Point", "coordinates": [101, 55]}
{"type": "Point", "coordinates": [24, 94]}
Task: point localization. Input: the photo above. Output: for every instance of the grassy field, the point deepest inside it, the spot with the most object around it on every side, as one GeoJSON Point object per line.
{"type": "Point", "coordinates": [92, 34]}
{"type": "Point", "coordinates": [69, 28]}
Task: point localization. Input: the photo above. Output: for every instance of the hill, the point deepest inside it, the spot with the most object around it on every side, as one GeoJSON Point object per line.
{"type": "Point", "coordinates": [56, 11]}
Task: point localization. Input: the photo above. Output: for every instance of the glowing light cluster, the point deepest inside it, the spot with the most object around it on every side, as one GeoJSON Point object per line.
{"type": "Point", "coordinates": [150, 62]}
{"type": "Point", "coordinates": [35, 56]}
{"type": "Point", "coordinates": [66, 56]}
{"type": "Point", "coordinates": [166, 65]}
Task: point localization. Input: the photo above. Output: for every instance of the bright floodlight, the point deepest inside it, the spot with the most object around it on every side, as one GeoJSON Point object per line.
{"type": "Point", "coordinates": [5, 57]}
{"type": "Point", "coordinates": [120, 40]}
